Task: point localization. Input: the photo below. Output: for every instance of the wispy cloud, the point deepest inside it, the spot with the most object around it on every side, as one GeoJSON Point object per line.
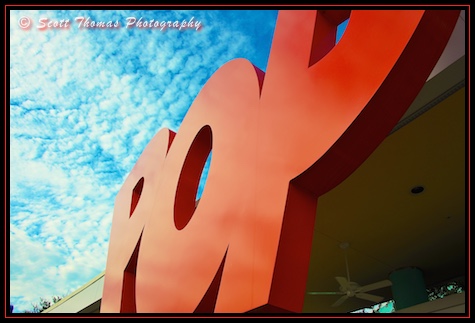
{"type": "Point", "coordinates": [84, 103]}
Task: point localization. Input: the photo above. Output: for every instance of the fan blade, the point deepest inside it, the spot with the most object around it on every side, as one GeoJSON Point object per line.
{"type": "Point", "coordinates": [325, 293]}
{"type": "Point", "coordinates": [340, 301]}
{"type": "Point", "coordinates": [369, 297]}
{"type": "Point", "coordinates": [378, 285]}
{"type": "Point", "coordinates": [343, 282]}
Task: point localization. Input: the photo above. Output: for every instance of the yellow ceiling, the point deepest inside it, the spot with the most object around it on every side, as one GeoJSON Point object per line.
{"type": "Point", "coordinates": [386, 225]}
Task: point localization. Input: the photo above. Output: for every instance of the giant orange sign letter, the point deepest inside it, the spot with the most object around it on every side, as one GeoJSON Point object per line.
{"type": "Point", "coordinates": [279, 140]}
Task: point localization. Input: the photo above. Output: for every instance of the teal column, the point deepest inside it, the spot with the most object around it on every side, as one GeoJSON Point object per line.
{"type": "Point", "coordinates": [408, 287]}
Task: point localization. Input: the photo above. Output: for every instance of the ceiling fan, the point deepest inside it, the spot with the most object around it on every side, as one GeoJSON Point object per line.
{"type": "Point", "coordinates": [351, 289]}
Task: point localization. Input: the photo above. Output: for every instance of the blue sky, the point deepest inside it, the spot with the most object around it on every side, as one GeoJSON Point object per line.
{"type": "Point", "coordinates": [84, 103]}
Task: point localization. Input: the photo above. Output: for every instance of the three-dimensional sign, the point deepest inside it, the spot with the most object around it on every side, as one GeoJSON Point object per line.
{"type": "Point", "coordinates": [279, 140]}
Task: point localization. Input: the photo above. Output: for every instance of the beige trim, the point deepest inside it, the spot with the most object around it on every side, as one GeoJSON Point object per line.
{"type": "Point", "coordinates": [80, 299]}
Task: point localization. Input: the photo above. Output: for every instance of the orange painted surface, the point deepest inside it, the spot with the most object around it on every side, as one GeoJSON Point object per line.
{"type": "Point", "coordinates": [279, 140]}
